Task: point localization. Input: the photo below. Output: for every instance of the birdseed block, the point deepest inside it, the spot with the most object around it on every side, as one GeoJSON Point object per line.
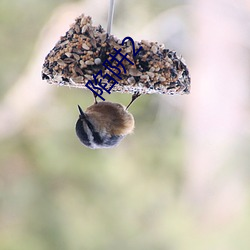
{"type": "Point", "coordinates": [87, 53]}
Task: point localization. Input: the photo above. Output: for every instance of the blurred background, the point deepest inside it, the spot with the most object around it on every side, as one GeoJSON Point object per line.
{"type": "Point", "coordinates": [180, 182]}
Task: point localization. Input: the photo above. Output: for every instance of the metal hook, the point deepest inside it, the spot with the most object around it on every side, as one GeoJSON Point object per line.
{"type": "Point", "coordinates": [110, 16]}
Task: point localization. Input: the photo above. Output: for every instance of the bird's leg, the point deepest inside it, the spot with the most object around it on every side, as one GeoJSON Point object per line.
{"type": "Point", "coordinates": [134, 97]}
{"type": "Point", "coordinates": [95, 96]}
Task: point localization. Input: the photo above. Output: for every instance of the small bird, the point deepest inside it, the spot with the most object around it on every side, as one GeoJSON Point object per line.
{"type": "Point", "coordinates": [104, 125]}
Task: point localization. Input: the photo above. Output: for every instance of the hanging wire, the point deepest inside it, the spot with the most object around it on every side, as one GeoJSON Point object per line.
{"type": "Point", "coordinates": [110, 15]}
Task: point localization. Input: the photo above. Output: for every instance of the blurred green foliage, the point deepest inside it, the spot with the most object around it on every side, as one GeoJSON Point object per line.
{"type": "Point", "coordinates": [20, 24]}
{"type": "Point", "coordinates": [57, 194]}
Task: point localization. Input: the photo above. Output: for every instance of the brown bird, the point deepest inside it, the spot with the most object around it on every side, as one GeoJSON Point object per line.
{"type": "Point", "coordinates": [104, 124]}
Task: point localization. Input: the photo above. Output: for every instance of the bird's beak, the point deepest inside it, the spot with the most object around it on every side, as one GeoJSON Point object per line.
{"type": "Point", "coordinates": [82, 115]}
